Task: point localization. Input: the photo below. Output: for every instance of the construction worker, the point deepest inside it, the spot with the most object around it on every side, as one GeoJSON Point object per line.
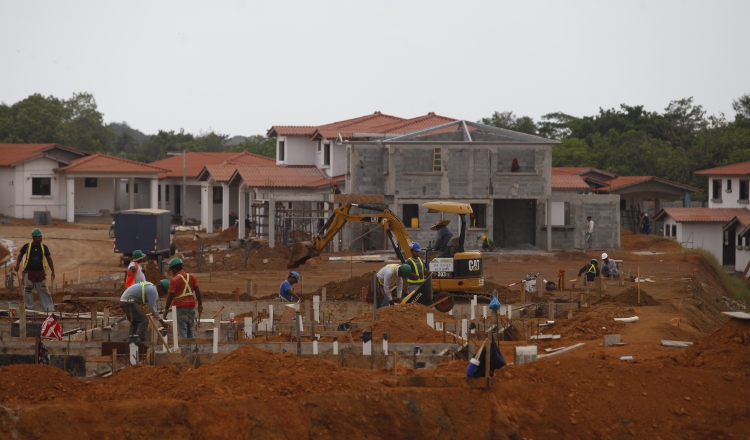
{"type": "Point", "coordinates": [418, 269]}
{"type": "Point", "coordinates": [645, 224]}
{"type": "Point", "coordinates": [34, 271]}
{"type": "Point", "coordinates": [588, 241]}
{"type": "Point", "coordinates": [487, 243]}
{"type": "Point", "coordinates": [286, 292]}
{"type": "Point", "coordinates": [136, 296]}
{"type": "Point", "coordinates": [591, 270]}
{"type": "Point", "coordinates": [183, 293]}
{"type": "Point", "coordinates": [135, 270]}
{"type": "Point", "coordinates": [609, 267]}
{"type": "Point", "coordinates": [389, 277]}
{"type": "Point", "coordinates": [443, 235]}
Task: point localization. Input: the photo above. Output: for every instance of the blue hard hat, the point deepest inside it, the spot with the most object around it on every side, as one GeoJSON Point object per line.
{"type": "Point", "coordinates": [295, 275]}
{"type": "Point", "coordinates": [415, 246]}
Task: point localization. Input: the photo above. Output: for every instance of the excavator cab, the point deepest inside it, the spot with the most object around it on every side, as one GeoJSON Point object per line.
{"type": "Point", "coordinates": [455, 270]}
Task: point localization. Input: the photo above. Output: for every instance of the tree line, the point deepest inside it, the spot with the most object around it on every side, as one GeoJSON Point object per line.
{"type": "Point", "coordinates": [78, 123]}
{"type": "Point", "coordinates": [631, 141]}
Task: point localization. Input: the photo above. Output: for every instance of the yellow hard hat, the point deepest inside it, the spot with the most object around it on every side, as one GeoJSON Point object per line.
{"type": "Point", "coordinates": [484, 237]}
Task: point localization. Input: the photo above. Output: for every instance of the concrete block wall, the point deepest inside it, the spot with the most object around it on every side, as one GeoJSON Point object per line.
{"type": "Point", "coordinates": [603, 209]}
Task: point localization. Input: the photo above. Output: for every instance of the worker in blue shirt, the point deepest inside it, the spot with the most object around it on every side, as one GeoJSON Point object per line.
{"type": "Point", "coordinates": [286, 293]}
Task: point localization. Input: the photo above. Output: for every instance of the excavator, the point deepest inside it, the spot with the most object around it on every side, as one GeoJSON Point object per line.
{"type": "Point", "coordinates": [453, 271]}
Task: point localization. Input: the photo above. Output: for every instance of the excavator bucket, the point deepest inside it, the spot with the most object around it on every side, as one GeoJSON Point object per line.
{"type": "Point", "coordinates": [301, 252]}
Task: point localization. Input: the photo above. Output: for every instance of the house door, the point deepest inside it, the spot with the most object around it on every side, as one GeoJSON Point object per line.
{"type": "Point", "coordinates": [513, 222]}
{"type": "Point", "coordinates": [177, 199]}
{"type": "Point", "coordinates": [728, 248]}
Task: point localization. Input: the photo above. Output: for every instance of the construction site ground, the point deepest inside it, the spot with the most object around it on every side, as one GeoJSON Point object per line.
{"type": "Point", "coordinates": [589, 393]}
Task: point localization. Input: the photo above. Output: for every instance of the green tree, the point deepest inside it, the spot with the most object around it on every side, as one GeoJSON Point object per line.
{"type": "Point", "coordinates": [36, 119]}
{"type": "Point", "coordinates": [83, 125]}
{"type": "Point", "coordinates": [257, 144]}
{"type": "Point", "coordinates": [509, 121]}
{"type": "Point", "coordinates": [212, 142]}
{"type": "Point", "coordinates": [741, 105]}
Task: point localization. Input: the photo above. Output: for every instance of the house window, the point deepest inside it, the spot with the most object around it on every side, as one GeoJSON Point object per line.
{"type": "Point", "coordinates": [41, 186]}
{"type": "Point", "coordinates": [158, 192]}
{"type": "Point", "coordinates": [281, 151]}
{"type": "Point", "coordinates": [674, 231]}
{"type": "Point", "coordinates": [90, 182]}
{"type": "Point", "coordinates": [327, 154]}
{"type": "Point", "coordinates": [410, 212]}
{"type": "Point", "coordinates": [560, 213]}
{"type": "Point", "coordinates": [478, 219]}
{"type": "Point", "coordinates": [319, 142]}
{"type": "Point", "coordinates": [729, 185]}
{"type": "Point", "coordinates": [218, 194]}
{"type": "Point", "coordinates": [744, 189]}
{"type": "Point", "coordinates": [716, 190]}
{"type": "Point", "coordinates": [166, 193]}
{"type": "Point", "coordinates": [135, 188]}
{"type": "Point", "coordinates": [739, 241]}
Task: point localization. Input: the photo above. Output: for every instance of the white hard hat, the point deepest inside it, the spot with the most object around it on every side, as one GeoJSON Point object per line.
{"type": "Point", "coordinates": [604, 256]}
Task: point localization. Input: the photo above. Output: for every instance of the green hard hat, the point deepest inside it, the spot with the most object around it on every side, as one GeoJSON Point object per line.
{"type": "Point", "coordinates": [137, 254]}
{"type": "Point", "coordinates": [36, 232]}
{"type": "Point", "coordinates": [174, 262]}
{"type": "Point", "coordinates": [165, 284]}
{"type": "Point", "coordinates": [405, 270]}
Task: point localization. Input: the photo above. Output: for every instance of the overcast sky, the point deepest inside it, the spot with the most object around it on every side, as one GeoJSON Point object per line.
{"type": "Point", "coordinates": [239, 67]}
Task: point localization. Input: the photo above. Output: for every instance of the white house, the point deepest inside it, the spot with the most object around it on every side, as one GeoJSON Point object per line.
{"type": "Point", "coordinates": [728, 186]}
{"type": "Point", "coordinates": [712, 229]}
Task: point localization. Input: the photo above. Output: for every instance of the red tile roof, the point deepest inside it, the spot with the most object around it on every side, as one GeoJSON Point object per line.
{"type": "Point", "coordinates": [12, 154]}
{"type": "Point", "coordinates": [414, 124]}
{"type": "Point", "coordinates": [569, 182]}
{"type": "Point", "coordinates": [279, 176]}
{"type": "Point", "coordinates": [737, 169]}
{"type": "Point", "coordinates": [568, 171]}
{"type": "Point", "coordinates": [246, 158]}
{"type": "Point", "coordinates": [196, 162]}
{"type": "Point", "coordinates": [625, 181]}
{"type": "Point", "coordinates": [328, 181]}
{"type": "Point", "coordinates": [291, 130]}
{"type": "Point", "coordinates": [220, 172]}
{"type": "Point", "coordinates": [704, 215]}
{"type": "Point", "coordinates": [363, 124]}
{"type": "Point", "coordinates": [102, 163]}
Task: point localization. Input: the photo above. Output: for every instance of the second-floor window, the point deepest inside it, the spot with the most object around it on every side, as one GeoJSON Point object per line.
{"type": "Point", "coordinates": [729, 185]}
{"type": "Point", "coordinates": [327, 153]}
{"type": "Point", "coordinates": [716, 189]}
{"type": "Point", "coordinates": [281, 150]}
{"type": "Point", "coordinates": [744, 189]}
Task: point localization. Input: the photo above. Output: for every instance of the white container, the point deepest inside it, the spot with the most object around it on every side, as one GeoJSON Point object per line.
{"type": "Point", "coordinates": [525, 354]}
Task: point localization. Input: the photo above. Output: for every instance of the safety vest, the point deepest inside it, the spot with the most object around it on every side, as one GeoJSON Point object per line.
{"type": "Point", "coordinates": [28, 254]}
{"type": "Point", "coordinates": [143, 290]}
{"type": "Point", "coordinates": [394, 277]}
{"type": "Point", "coordinates": [131, 276]}
{"type": "Point", "coordinates": [187, 291]}
{"type": "Point", "coordinates": [592, 268]}
{"type": "Point", "coordinates": [419, 269]}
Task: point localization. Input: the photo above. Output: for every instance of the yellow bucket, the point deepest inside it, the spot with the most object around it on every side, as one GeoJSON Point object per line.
{"type": "Point", "coordinates": [415, 222]}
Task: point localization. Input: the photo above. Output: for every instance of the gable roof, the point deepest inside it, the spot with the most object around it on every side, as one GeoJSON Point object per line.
{"type": "Point", "coordinates": [579, 171]}
{"type": "Point", "coordinates": [569, 182]}
{"type": "Point", "coordinates": [279, 176]}
{"type": "Point", "coordinates": [14, 154]}
{"type": "Point", "coordinates": [102, 163]}
{"type": "Point", "coordinates": [196, 161]}
{"type": "Point", "coordinates": [703, 215]}
{"type": "Point", "coordinates": [363, 124]}
{"type": "Point", "coordinates": [291, 130]}
{"type": "Point", "coordinates": [327, 182]}
{"type": "Point", "coordinates": [413, 124]}
{"type": "Point", "coordinates": [737, 169]}
{"type": "Point", "coordinates": [743, 221]}
{"type": "Point", "coordinates": [467, 131]}
{"type": "Point", "coordinates": [621, 182]}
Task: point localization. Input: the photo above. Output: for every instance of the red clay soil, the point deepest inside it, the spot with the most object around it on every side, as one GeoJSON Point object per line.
{"type": "Point", "coordinates": [631, 241]}
{"type": "Point", "coordinates": [587, 324]}
{"type": "Point", "coordinates": [404, 323]}
{"type": "Point", "coordinates": [349, 289]}
{"type": "Point", "coordinates": [629, 297]}
{"type": "Point", "coordinates": [727, 349]}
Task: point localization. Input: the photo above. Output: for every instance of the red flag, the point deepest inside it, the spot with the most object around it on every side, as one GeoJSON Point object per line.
{"type": "Point", "coordinates": [51, 328]}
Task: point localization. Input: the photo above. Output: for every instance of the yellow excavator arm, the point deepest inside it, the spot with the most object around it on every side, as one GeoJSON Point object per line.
{"type": "Point", "coordinates": [394, 227]}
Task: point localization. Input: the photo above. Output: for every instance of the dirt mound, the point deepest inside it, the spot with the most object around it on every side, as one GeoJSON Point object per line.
{"type": "Point", "coordinates": [229, 234]}
{"type": "Point", "coordinates": [38, 383]}
{"type": "Point", "coordinates": [629, 297]}
{"type": "Point", "coordinates": [247, 371]}
{"type": "Point", "coordinates": [404, 323]}
{"type": "Point", "coordinates": [726, 348]}
{"type": "Point", "coordinates": [350, 289]}
{"type": "Point", "coordinates": [4, 252]}
{"type": "Point", "coordinates": [631, 241]}
{"type": "Point", "coordinates": [588, 324]}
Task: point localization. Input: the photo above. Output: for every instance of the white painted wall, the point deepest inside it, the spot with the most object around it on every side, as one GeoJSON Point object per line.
{"type": "Point", "coordinates": [233, 202]}
{"type": "Point", "coordinates": [24, 202]}
{"type": "Point", "coordinates": [728, 199]}
{"type": "Point", "coordinates": [742, 250]}
{"type": "Point", "coordinates": [299, 150]}
{"type": "Point", "coordinates": [93, 200]}
{"type": "Point", "coordinates": [7, 191]}
{"type": "Point", "coordinates": [709, 236]}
